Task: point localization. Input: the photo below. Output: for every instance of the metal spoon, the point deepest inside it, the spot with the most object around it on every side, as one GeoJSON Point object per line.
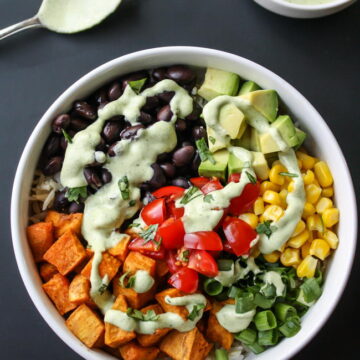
{"type": "Point", "coordinates": [33, 22]}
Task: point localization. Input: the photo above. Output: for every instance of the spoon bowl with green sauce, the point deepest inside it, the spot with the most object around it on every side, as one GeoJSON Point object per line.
{"type": "Point", "coordinates": [66, 16]}
{"type": "Point", "coordinates": [323, 145]}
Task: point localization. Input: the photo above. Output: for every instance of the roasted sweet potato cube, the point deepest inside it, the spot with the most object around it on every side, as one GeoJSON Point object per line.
{"type": "Point", "coordinates": [132, 351]}
{"type": "Point", "coordinates": [189, 345]}
{"type": "Point", "coordinates": [217, 334]}
{"type": "Point", "coordinates": [64, 222]}
{"type": "Point", "coordinates": [114, 336]}
{"type": "Point", "coordinates": [161, 268]}
{"type": "Point", "coordinates": [136, 261]}
{"type": "Point", "coordinates": [150, 340]}
{"type": "Point", "coordinates": [40, 237]}
{"type": "Point", "coordinates": [79, 290]}
{"type": "Point", "coordinates": [66, 253]}
{"type": "Point", "coordinates": [180, 310]}
{"type": "Point", "coordinates": [121, 250]}
{"type": "Point", "coordinates": [57, 288]}
{"type": "Point", "coordinates": [47, 271]}
{"type": "Point", "coordinates": [86, 326]}
{"type": "Point", "coordinates": [109, 266]}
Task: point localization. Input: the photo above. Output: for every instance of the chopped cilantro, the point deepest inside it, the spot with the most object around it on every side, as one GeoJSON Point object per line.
{"type": "Point", "coordinates": [73, 194]}
{"type": "Point", "coordinates": [265, 228]}
{"type": "Point", "coordinates": [204, 152]}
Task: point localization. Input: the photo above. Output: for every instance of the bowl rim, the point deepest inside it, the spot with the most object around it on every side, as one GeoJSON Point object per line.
{"type": "Point", "coordinates": [311, 8]}
{"type": "Point", "coordinates": [19, 246]}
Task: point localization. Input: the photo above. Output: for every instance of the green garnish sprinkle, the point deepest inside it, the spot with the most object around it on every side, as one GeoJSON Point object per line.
{"type": "Point", "coordinates": [251, 177]}
{"type": "Point", "coordinates": [149, 234]}
{"type": "Point", "coordinates": [123, 184]}
{"type": "Point", "coordinates": [195, 311]}
{"type": "Point", "coordinates": [265, 228]}
{"type": "Point", "coordinates": [137, 85]}
{"type": "Point", "coordinates": [138, 315]}
{"type": "Point", "coordinates": [204, 152]}
{"type": "Point", "coordinates": [73, 194]}
{"type": "Point", "coordinates": [288, 174]}
{"type": "Point", "coordinates": [189, 195]}
{"type": "Point", "coordinates": [67, 137]}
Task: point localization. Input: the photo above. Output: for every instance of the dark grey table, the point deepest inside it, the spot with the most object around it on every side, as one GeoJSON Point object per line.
{"type": "Point", "coordinates": [319, 57]}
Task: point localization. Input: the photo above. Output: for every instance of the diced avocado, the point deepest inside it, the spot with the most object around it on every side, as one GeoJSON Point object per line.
{"type": "Point", "coordinates": [259, 165]}
{"type": "Point", "coordinates": [255, 140]}
{"type": "Point", "coordinates": [287, 130]}
{"type": "Point", "coordinates": [218, 169]}
{"type": "Point", "coordinates": [215, 141]}
{"type": "Point", "coordinates": [232, 120]}
{"type": "Point", "coordinates": [219, 82]}
{"type": "Point", "coordinates": [235, 164]}
{"type": "Point", "coordinates": [248, 86]}
{"type": "Point", "coordinates": [267, 143]}
{"type": "Point", "coordinates": [245, 139]}
{"type": "Point", "coordinates": [301, 135]}
{"type": "Point", "coordinates": [264, 101]}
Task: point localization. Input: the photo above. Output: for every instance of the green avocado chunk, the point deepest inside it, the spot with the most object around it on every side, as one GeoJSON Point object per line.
{"type": "Point", "coordinates": [219, 82]}
{"type": "Point", "coordinates": [245, 140]}
{"type": "Point", "coordinates": [287, 130]}
{"type": "Point", "coordinates": [301, 135]}
{"type": "Point", "coordinates": [235, 164]}
{"type": "Point", "coordinates": [232, 120]}
{"type": "Point", "coordinates": [218, 169]}
{"type": "Point", "coordinates": [260, 165]}
{"type": "Point", "coordinates": [248, 86]}
{"type": "Point", "coordinates": [255, 140]}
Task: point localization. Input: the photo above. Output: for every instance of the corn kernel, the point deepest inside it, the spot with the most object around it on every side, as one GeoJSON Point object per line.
{"type": "Point", "coordinates": [305, 250]}
{"type": "Point", "coordinates": [308, 161]}
{"type": "Point", "coordinates": [273, 213]}
{"type": "Point", "coordinates": [298, 240]}
{"type": "Point", "coordinates": [313, 193]}
{"type": "Point", "coordinates": [259, 206]}
{"type": "Point", "coordinates": [267, 185]}
{"type": "Point", "coordinates": [274, 175]}
{"type": "Point", "coordinates": [307, 267]}
{"type": "Point", "coordinates": [330, 217]}
{"type": "Point", "coordinates": [300, 227]}
{"type": "Point", "coordinates": [271, 197]}
{"type": "Point", "coordinates": [323, 204]}
{"type": "Point", "coordinates": [320, 248]}
{"type": "Point", "coordinates": [314, 223]}
{"type": "Point", "coordinates": [328, 192]}
{"type": "Point", "coordinates": [331, 238]}
{"type": "Point", "coordinates": [300, 164]}
{"type": "Point", "coordinates": [283, 247]}
{"type": "Point", "coordinates": [323, 174]}
{"type": "Point", "coordinates": [276, 162]}
{"type": "Point", "coordinates": [309, 209]}
{"type": "Point", "coordinates": [308, 177]}
{"type": "Point", "coordinates": [291, 186]}
{"type": "Point", "coordinates": [290, 257]}
{"type": "Point", "coordinates": [283, 195]}
{"type": "Point", "coordinates": [272, 257]}
{"type": "Point", "coordinates": [250, 218]}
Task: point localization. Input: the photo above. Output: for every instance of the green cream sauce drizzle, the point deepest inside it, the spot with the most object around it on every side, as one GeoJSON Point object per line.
{"type": "Point", "coordinates": [274, 278]}
{"type": "Point", "coordinates": [143, 282]}
{"type": "Point", "coordinates": [233, 321]}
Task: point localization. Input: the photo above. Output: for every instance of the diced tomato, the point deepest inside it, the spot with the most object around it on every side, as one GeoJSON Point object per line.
{"type": "Point", "coordinates": [228, 248]}
{"type": "Point", "coordinates": [200, 181]}
{"type": "Point", "coordinates": [212, 185]}
{"type": "Point", "coordinates": [172, 233]}
{"type": "Point", "coordinates": [171, 260]}
{"type": "Point", "coordinates": [185, 279]}
{"type": "Point", "coordinates": [234, 178]}
{"type": "Point", "coordinates": [239, 234]}
{"type": "Point", "coordinates": [203, 262]}
{"type": "Point", "coordinates": [174, 211]}
{"type": "Point", "coordinates": [149, 248]}
{"type": "Point", "coordinates": [154, 212]}
{"type": "Point", "coordinates": [174, 191]}
{"type": "Point", "coordinates": [203, 240]}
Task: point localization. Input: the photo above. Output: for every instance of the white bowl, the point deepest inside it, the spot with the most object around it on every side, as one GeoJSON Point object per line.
{"type": "Point", "coordinates": [321, 142]}
{"type": "Point", "coordinates": [285, 8]}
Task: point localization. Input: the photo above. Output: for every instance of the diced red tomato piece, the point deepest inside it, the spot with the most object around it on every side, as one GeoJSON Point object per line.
{"type": "Point", "coordinates": [239, 234]}
{"type": "Point", "coordinates": [185, 279]}
{"type": "Point", "coordinates": [234, 177]}
{"type": "Point", "coordinates": [171, 260]}
{"type": "Point", "coordinates": [154, 212]}
{"type": "Point", "coordinates": [228, 248]}
{"type": "Point", "coordinates": [174, 211]}
{"type": "Point", "coordinates": [174, 191]}
{"type": "Point", "coordinates": [203, 262]}
{"type": "Point", "coordinates": [203, 240]}
{"type": "Point", "coordinates": [172, 233]}
{"type": "Point", "coordinates": [149, 248]}
{"type": "Point", "coordinates": [212, 185]}
{"type": "Point", "coordinates": [200, 181]}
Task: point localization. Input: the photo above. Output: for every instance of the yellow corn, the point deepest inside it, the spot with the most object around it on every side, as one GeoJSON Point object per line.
{"type": "Point", "coordinates": [320, 248]}
{"type": "Point", "coordinates": [267, 185]}
{"type": "Point", "coordinates": [323, 174]}
{"type": "Point", "coordinates": [290, 257]}
{"type": "Point", "coordinates": [330, 217]}
{"type": "Point", "coordinates": [331, 238]}
{"type": "Point", "coordinates": [273, 212]}
{"type": "Point", "coordinates": [291, 186]}
{"type": "Point", "coordinates": [300, 164]}
{"type": "Point", "coordinates": [259, 206]}
{"type": "Point", "coordinates": [308, 162]}
{"type": "Point", "coordinates": [305, 250]}
{"type": "Point", "coordinates": [308, 177]}
{"type": "Point", "coordinates": [300, 227]}
{"type": "Point", "coordinates": [314, 223]}
{"type": "Point", "coordinates": [283, 247]}
{"type": "Point", "coordinates": [323, 204]}
{"type": "Point", "coordinates": [313, 193]}
{"type": "Point", "coordinates": [272, 257]}
{"type": "Point", "coordinates": [298, 240]}
{"type": "Point", "coordinates": [274, 174]}
{"type": "Point", "coordinates": [309, 209]}
{"type": "Point", "coordinates": [328, 192]}
{"type": "Point", "coordinates": [250, 218]}
{"type": "Point", "coordinates": [307, 267]}
{"type": "Point", "coordinates": [271, 197]}
{"type": "Point", "coordinates": [283, 195]}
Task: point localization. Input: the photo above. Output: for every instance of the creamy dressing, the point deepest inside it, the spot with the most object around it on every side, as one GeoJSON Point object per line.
{"type": "Point", "coordinates": [233, 321]}
{"type": "Point", "coordinates": [70, 16]}
{"type": "Point", "coordinates": [274, 278]}
{"type": "Point", "coordinates": [143, 282]}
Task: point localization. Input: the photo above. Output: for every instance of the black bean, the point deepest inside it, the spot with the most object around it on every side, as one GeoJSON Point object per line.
{"type": "Point", "coordinates": [158, 179]}
{"type": "Point", "coordinates": [52, 145]}
{"type": "Point", "coordinates": [199, 132]}
{"type": "Point", "coordinates": [180, 125]}
{"type": "Point", "coordinates": [195, 114]}
{"type": "Point", "coordinates": [151, 103]}
{"type": "Point", "coordinates": [60, 122]}
{"type": "Point", "coordinates": [163, 157]}
{"type": "Point", "coordinates": [166, 96]}
{"type": "Point", "coordinates": [159, 74]}
{"type": "Point", "coordinates": [76, 207]}
{"type": "Point", "coordinates": [186, 143]}
{"type": "Point", "coordinates": [53, 166]}
{"type": "Point", "coordinates": [144, 188]}
{"type": "Point", "coordinates": [130, 132]}
{"type": "Point", "coordinates": [196, 162]}
{"type": "Point", "coordinates": [106, 176]}
{"type": "Point", "coordinates": [114, 91]}
{"type": "Point", "coordinates": [63, 141]}
{"type": "Point", "coordinates": [61, 202]}
{"type": "Point", "coordinates": [168, 169]}
{"type": "Point", "coordinates": [180, 181]}
{"type": "Point", "coordinates": [101, 97]}
{"type": "Point", "coordinates": [111, 152]}
{"type": "Point", "coordinates": [164, 114]}
{"type": "Point", "coordinates": [180, 74]}
{"type": "Point", "coordinates": [112, 130]}
{"type": "Point", "coordinates": [101, 146]}
{"type": "Point", "coordinates": [183, 156]}
{"type": "Point", "coordinates": [85, 110]}
{"type": "Point", "coordinates": [78, 124]}
{"type": "Point", "coordinates": [92, 178]}
{"type": "Point", "coordinates": [133, 77]}
{"type": "Point", "coordinates": [145, 118]}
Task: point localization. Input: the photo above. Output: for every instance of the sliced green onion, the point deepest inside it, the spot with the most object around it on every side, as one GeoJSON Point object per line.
{"type": "Point", "coordinates": [223, 296]}
{"type": "Point", "coordinates": [234, 292]}
{"type": "Point", "coordinates": [244, 303]}
{"type": "Point", "coordinates": [261, 301]}
{"type": "Point", "coordinates": [256, 348]}
{"type": "Point", "coordinates": [221, 354]}
{"type": "Point", "coordinates": [265, 320]}
{"type": "Point", "coordinates": [124, 185]}
{"type": "Point", "coordinates": [291, 327]}
{"type": "Point", "coordinates": [213, 287]}
{"type": "Point", "coordinates": [268, 337]}
{"type": "Point", "coordinates": [269, 291]}
{"type": "Point", "coordinates": [225, 264]}
{"type": "Point", "coordinates": [311, 290]}
{"type": "Point", "coordinates": [284, 311]}
{"type": "Point", "coordinates": [247, 336]}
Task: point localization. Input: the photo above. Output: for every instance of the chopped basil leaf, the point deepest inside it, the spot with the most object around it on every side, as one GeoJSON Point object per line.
{"type": "Point", "coordinates": [195, 311]}
{"type": "Point", "coordinates": [137, 85]}
{"type": "Point", "coordinates": [265, 228]}
{"type": "Point", "coordinates": [102, 288]}
{"type": "Point", "coordinates": [251, 178]}
{"type": "Point", "coordinates": [208, 198]}
{"type": "Point", "coordinates": [204, 152]}
{"type": "Point", "coordinates": [73, 194]}
{"type": "Point", "coordinates": [123, 184]}
{"type": "Point", "coordinates": [212, 139]}
{"type": "Point", "coordinates": [288, 174]}
{"type": "Point", "coordinates": [132, 203]}
{"type": "Point", "coordinates": [149, 233]}
{"type": "Point", "coordinates": [67, 137]}
{"type": "Point", "coordinates": [189, 195]}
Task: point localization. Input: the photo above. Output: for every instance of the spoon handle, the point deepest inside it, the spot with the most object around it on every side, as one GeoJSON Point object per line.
{"type": "Point", "coordinates": [22, 25]}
